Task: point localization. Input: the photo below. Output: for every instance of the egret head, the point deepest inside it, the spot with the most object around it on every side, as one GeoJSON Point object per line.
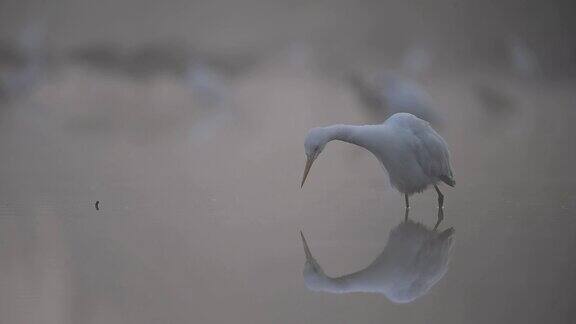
{"type": "Point", "coordinates": [313, 146]}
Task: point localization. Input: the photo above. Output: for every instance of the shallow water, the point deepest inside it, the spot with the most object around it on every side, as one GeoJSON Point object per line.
{"type": "Point", "coordinates": [200, 205]}
{"type": "Point", "coordinates": [207, 230]}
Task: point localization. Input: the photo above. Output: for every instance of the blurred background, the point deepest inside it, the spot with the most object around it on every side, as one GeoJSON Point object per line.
{"type": "Point", "coordinates": [186, 121]}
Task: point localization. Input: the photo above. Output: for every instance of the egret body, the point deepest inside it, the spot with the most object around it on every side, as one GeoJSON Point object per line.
{"type": "Point", "coordinates": [410, 150]}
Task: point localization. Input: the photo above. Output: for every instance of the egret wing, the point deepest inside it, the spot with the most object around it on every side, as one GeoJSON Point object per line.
{"type": "Point", "coordinates": [431, 152]}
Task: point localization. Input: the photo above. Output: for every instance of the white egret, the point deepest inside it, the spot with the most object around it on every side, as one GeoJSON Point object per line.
{"type": "Point", "coordinates": [390, 93]}
{"type": "Point", "coordinates": [26, 61]}
{"type": "Point", "coordinates": [417, 59]}
{"type": "Point", "coordinates": [409, 149]}
{"type": "Point", "coordinates": [523, 58]}
{"type": "Point", "coordinates": [414, 259]}
{"type": "Point", "coordinates": [406, 95]}
{"type": "Point", "coordinates": [206, 84]}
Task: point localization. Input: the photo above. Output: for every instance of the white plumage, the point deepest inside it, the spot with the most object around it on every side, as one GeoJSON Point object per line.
{"type": "Point", "coordinates": [414, 259]}
{"type": "Point", "coordinates": [405, 95]}
{"type": "Point", "coordinates": [390, 93]}
{"type": "Point", "coordinates": [524, 60]}
{"type": "Point", "coordinates": [409, 149]}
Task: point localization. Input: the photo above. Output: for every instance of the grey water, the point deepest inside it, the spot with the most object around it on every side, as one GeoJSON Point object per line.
{"type": "Point", "coordinates": [195, 154]}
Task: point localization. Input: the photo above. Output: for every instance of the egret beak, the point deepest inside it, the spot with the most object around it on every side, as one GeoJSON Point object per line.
{"type": "Point", "coordinates": [309, 161]}
{"type": "Point", "coordinates": [306, 248]}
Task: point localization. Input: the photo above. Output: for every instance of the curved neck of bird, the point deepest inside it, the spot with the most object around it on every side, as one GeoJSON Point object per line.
{"type": "Point", "coordinates": [374, 278]}
{"type": "Point", "coordinates": [347, 133]}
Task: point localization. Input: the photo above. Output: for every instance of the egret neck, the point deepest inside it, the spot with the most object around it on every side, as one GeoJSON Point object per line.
{"type": "Point", "coordinates": [353, 134]}
{"type": "Point", "coordinates": [370, 279]}
{"type": "Point", "coordinates": [359, 135]}
{"type": "Point", "coordinates": [365, 280]}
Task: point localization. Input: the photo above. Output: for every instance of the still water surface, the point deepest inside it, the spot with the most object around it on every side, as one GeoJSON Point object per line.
{"type": "Point", "coordinates": [200, 212]}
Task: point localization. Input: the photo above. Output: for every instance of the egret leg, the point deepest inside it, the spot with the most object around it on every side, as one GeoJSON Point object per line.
{"type": "Point", "coordinates": [440, 197]}
{"type": "Point", "coordinates": [406, 200]}
{"type": "Point", "coordinates": [440, 217]}
{"type": "Point", "coordinates": [406, 214]}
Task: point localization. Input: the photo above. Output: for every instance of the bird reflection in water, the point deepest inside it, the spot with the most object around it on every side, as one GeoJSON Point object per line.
{"type": "Point", "coordinates": [414, 259]}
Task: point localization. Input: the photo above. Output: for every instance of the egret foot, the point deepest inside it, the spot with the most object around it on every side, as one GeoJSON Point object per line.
{"type": "Point", "coordinates": [406, 200]}
{"type": "Point", "coordinates": [440, 197]}
{"type": "Point", "coordinates": [440, 217]}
